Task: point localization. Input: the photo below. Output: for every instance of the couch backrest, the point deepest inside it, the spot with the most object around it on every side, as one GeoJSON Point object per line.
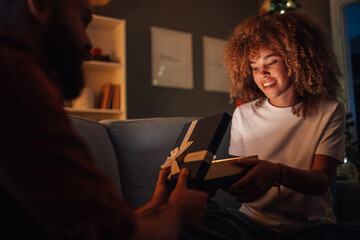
{"type": "Point", "coordinates": [97, 138]}
{"type": "Point", "coordinates": [141, 146]}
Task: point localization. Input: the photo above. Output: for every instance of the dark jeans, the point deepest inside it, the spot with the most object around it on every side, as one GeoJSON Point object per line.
{"type": "Point", "coordinates": [226, 223]}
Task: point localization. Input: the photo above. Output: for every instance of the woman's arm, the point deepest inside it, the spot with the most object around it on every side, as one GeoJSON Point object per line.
{"type": "Point", "coordinates": [315, 181]}
{"type": "Point", "coordinates": [264, 175]}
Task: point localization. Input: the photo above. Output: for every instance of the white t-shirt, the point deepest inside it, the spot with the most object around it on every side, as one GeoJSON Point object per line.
{"type": "Point", "coordinates": [277, 135]}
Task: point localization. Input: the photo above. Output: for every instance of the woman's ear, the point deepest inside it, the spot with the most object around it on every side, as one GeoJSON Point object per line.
{"type": "Point", "coordinates": [39, 9]}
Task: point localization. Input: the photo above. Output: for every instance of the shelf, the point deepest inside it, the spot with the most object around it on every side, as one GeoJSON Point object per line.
{"type": "Point", "coordinates": [108, 34]}
{"type": "Point", "coordinates": [102, 66]}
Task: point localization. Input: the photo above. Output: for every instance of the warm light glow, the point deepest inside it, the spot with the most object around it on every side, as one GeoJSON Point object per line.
{"type": "Point", "coordinates": [265, 7]}
{"type": "Point", "coordinates": [345, 160]}
{"type": "Point", "coordinates": [99, 2]}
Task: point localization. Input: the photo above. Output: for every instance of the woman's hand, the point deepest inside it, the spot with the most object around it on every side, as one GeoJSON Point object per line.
{"type": "Point", "coordinates": [261, 176]}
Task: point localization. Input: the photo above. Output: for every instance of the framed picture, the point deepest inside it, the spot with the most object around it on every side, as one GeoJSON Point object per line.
{"type": "Point", "coordinates": [171, 54]}
{"type": "Point", "coordinates": [215, 74]}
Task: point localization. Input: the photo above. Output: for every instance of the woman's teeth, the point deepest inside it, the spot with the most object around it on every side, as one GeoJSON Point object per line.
{"type": "Point", "coordinates": [268, 83]}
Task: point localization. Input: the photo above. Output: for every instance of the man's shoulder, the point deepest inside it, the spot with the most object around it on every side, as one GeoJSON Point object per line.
{"type": "Point", "coordinates": [25, 80]}
{"type": "Point", "coordinates": [13, 49]}
{"type": "Point", "coordinates": [15, 62]}
{"type": "Point", "coordinates": [18, 61]}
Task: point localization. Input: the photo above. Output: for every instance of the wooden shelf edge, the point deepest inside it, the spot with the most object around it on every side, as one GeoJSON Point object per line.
{"type": "Point", "coordinates": [100, 64]}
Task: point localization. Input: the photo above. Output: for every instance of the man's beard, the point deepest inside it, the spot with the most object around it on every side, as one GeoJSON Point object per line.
{"type": "Point", "coordinates": [66, 55]}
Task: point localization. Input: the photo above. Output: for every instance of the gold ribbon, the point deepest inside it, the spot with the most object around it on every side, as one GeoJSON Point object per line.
{"type": "Point", "coordinates": [171, 161]}
{"type": "Point", "coordinates": [203, 155]}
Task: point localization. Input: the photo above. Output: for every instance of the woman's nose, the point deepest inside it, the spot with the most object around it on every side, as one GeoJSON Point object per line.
{"type": "Point", "coordinates": [264, 73]}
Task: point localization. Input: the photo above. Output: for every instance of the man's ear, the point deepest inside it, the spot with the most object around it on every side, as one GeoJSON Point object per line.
{"type": "Point", "coordinates": [39, 9]}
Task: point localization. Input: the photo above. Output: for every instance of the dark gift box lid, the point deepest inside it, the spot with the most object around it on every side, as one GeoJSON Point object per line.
{"type": "Point", "coordinates": [196, 146]}
{"type": "Point", "coordinates": [207, 133]}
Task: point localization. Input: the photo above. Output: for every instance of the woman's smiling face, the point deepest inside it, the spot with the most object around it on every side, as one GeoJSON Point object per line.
{"type": "Point", "coordinates": [270, 75]}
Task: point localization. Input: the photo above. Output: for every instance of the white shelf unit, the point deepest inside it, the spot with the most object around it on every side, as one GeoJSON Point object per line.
{"type": "Point", "coordinates": [108, 34]}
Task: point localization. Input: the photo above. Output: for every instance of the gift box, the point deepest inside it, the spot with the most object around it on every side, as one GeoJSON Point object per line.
{"type": "Point", "coordinates": [223, 173]}
{"type": "Point", "coordinates": [195, 150]}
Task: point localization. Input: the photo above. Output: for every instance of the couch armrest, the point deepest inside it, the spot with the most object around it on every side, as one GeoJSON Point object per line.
{"type": "Point", "coordinates": [348, 200]}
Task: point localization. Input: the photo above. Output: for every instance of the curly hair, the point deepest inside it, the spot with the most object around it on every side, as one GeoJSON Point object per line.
{"type": "Point", "coordinates": [300, 42]}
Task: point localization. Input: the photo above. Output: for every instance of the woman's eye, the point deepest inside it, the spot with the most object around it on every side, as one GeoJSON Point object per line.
{"type": "Point", "coordinates": [272, 62]}
{"type": "Point", "coordinates": [254, 68]}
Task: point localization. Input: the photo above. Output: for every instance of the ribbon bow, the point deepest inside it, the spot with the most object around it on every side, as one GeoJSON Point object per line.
{"type": "Point", "coordinates": [171, 161]}
{"type": "Point", "coordinates": [174, 154]}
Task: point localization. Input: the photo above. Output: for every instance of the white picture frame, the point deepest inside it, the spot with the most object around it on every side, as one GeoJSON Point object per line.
{"type": "Point", "coordinates": [215, 74]}
{"type": "Point", "coordinates": [171, 58]}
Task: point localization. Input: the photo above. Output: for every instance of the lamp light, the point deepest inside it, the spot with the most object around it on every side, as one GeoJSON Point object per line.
{"type": "Point", "coordinates": [98, 2]}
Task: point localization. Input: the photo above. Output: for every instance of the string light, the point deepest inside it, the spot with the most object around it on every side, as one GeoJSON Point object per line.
{"type": "Point", "coordinates": [278, 6]}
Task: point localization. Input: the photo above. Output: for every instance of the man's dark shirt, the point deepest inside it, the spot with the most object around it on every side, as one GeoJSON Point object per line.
{"type": "Point", "coordinates": [49, 187]}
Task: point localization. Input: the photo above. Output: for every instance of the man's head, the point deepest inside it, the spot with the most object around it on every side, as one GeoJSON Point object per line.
{"type": "Point", "coordinates": [57, 29]}
{"type": "Point", "coordinates": [66, 43]}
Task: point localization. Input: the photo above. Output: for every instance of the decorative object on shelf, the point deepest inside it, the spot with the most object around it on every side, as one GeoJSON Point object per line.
{"type": "Point", "coordinates": [96, 54]}
{"type": "Point", "coordinates": [85, 100]}
{"type": "Point", "coordinates": [98, 2]}
{"type": "Point", "coordinates": [278, 6]}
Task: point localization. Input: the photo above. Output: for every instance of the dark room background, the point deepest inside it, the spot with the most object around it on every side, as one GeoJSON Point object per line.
{"type": "Point", "coordinates": [212, 18]}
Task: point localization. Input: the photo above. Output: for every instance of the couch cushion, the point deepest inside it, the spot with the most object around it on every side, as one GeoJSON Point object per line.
{"type": "Point", "coordinates": [97, 138]}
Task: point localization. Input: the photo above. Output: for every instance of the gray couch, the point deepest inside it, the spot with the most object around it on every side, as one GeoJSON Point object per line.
{"type": "Point", "coordinates": [130, 152]}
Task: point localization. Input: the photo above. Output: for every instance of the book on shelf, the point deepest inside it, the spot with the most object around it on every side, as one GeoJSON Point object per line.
{"type": "Point", "coordinates": [110, 96]}
{"type": "Point", "coordinates": [195, 149]}
{"type": "Point", "coordinates": [116, 97]}
{"type": "Point", "coordinates": [105, 95]}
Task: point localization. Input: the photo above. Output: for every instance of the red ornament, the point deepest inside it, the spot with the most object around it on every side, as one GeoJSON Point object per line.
{"type": "Point", "coordinates": [238, 102]}
{"type": "Point", "coordinates": [97, 51]}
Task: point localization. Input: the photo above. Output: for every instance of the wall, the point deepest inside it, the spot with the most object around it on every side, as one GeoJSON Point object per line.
{"type": "Point", "coordinates": [319, 10]}
{"type": "Point", "coordinates": [213, 18]}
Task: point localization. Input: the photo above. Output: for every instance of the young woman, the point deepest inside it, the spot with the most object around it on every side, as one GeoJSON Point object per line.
{"type": "Point", "coordinates": [284, 68]}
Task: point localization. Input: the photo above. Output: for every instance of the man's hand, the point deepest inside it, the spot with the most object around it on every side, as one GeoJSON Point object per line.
{"type": "Point", "coordinates": [186, 204]}
{"type": "Point", "coordinates": [161, 193]}
{"type": "Point", "coordinates": [262, 176]}
{"type": "Point", "coordinates": [191, 203]}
